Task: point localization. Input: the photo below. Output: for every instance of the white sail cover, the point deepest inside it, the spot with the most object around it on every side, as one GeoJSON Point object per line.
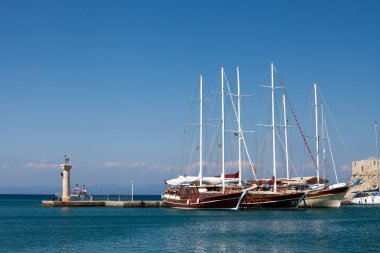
{"type": "Point", "coordinates": [192, 180]}
{"type": "Point", "coordinates": [183, 180]}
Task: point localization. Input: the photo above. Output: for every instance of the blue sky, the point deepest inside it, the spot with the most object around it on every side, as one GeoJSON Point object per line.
{"type": "Point", "coordinates": [108, 82]}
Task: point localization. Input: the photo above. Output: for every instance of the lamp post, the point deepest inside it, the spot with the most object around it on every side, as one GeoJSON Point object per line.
{"type": "Point", "coordinates": [132, 190]}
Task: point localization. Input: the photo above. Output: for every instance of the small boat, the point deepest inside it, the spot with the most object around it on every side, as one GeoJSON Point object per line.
{"type": "Point", "coordinates": [371, 197]}
{"type": "Point", "coordinates": [80, 193]}
{"type": "Point", "coordinates": [77, 194]}
{"type": "Point", "coordinates": [364, 198]}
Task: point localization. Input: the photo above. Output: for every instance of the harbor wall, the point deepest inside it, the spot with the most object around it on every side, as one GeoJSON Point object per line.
{"type": "Point", "coordinates": [367, 171]}
{"type": "Point", "coordinates": [124, 204]}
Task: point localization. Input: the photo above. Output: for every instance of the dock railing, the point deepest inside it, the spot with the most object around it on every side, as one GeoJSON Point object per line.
{"type": "Point", "coordinates": [112, 197]}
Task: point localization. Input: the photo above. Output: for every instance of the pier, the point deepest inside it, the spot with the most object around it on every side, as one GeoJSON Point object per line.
{"type": "Point", "coordinates": [122, 204]}
{"type": "Point", "coordinates": [80, 198]}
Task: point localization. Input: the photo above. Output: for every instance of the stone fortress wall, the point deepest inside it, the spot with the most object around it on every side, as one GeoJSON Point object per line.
{"type": "Point", "coordinates": [368, 172]}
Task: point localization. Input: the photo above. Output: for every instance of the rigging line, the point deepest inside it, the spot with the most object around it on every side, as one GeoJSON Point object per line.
{"type": "Point", "coordinates": [176, 160]}
{"type": "Point", "coordinates": [295, 118]}
{"type": "Point", "coordinates": [255, 147]}
{"type": "Point", "coordinates": [192, 139]}
{"type": "Point", "coordinates": [377, 135]}
{"type": "Point", "coordinates": [233, 143]}
{"type": "Point", "coordinates": [299, 128]}
{"type": "Point", "coordinates": [211, 140]}
{"type": "Point", "coordinates": [261, 158]}
{"type": "Point", "coordinates": [183, 139]}
{"type": "Point", "coordinates": [267, 159]}
{"type": "Point", "coordinates": [291, 154]}
{"type": "Point", "coordinates": [192, 155]}
{"type": "Point", "coordinates": [309, 128]}
{"type": "Point", "coordinates": [179, 151]}
{"type": "Point", "coordinates": [212, 144]}
{"type": "Point", "coordinates": [283, 147]}
{"type": "Point", "coordinates": [240, 130]}
{"type": "Point", "coordinates": [331, 153]}
{"type": "Point", "coordinates": [281, 156]}
{"type": "Point", "coordinates": [335, 126]}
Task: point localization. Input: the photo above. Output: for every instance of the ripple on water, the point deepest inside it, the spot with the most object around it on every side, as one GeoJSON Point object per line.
{"type": "Point", "coordinates": [25, 226]}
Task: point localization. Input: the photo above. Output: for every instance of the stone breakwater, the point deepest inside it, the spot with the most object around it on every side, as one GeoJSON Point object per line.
{"type": "Point", "coordinates": [123, 204]}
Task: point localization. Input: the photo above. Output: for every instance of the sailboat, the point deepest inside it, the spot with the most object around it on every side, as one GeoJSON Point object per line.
{"type": "Point", "coordinates": [370, 198]}
{"type": "Point", "coordinates": [200, 192]}
{"type": "Point", "coordinates": [320, 194]}
{"type": "Point", "coordinates": [271, 196]}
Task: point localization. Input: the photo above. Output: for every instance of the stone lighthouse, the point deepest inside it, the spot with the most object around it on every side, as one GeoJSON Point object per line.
{"type": "Point", "coordinates": [66, 167]}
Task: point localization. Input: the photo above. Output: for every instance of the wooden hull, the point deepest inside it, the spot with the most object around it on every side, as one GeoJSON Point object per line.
{"type": "Point", "coordinates": [258, 200]}
{"type": "Point", "coordinates": [204, 201]}
{"type": "Point", "coordinates": [331, 198]}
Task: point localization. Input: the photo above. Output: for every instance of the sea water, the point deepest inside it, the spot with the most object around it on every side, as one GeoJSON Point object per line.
{"type": "Point", "coordinates": [26, 226]}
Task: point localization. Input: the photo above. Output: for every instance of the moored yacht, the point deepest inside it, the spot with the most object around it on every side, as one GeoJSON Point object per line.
{"type": "Point", "coordinates": [318, 191]}
{"type": "Point", "coordinates": [203, 197]}
{"type": "Point", "coordinates": [272, 196]}
{"type": "Point", "coordinates": [199, 192]}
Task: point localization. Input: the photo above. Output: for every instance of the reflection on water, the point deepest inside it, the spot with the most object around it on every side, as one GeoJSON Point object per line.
{"type": "Point", "coordinates": [65, 210]}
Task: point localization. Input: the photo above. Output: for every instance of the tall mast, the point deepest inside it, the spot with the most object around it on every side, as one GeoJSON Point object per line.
{"type": "Point", "coordinates": [316, 129]}
{"type": "Point", "coordinates": [273, 131]}
{"type": "Point", "coordinates": [323, 142]}
{"type": "Point", "coordinates": [223, 123]}
{"type": "Point", "coordinates": [239, 120]}
{"type": "Point", "coordinates": [377, 156]}
{"type": "Point", "coordinates": [200, 129]}
{"type": "Point", "coordinates": [377, 143]}
{"type": "Point", "coordinates": [286, 135]}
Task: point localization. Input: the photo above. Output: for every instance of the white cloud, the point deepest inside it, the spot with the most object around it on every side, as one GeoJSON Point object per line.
{"type": "Point", "coordinates": [41, 165]}
{"type": "Point", "coordinates": [309, 165]}
{"type": "Point", "coordinates": [111, 165]}
{"type": "Point", "coordinates": [132, 165]}
{"type": "Point", "coordinates": [3, 167]}
{"type": "Point", "coordinates": [235, 164]}
{"type": "Point", "coordinates": [372, 158]}
{"type": "Point", "coordinates": [345, 167]}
